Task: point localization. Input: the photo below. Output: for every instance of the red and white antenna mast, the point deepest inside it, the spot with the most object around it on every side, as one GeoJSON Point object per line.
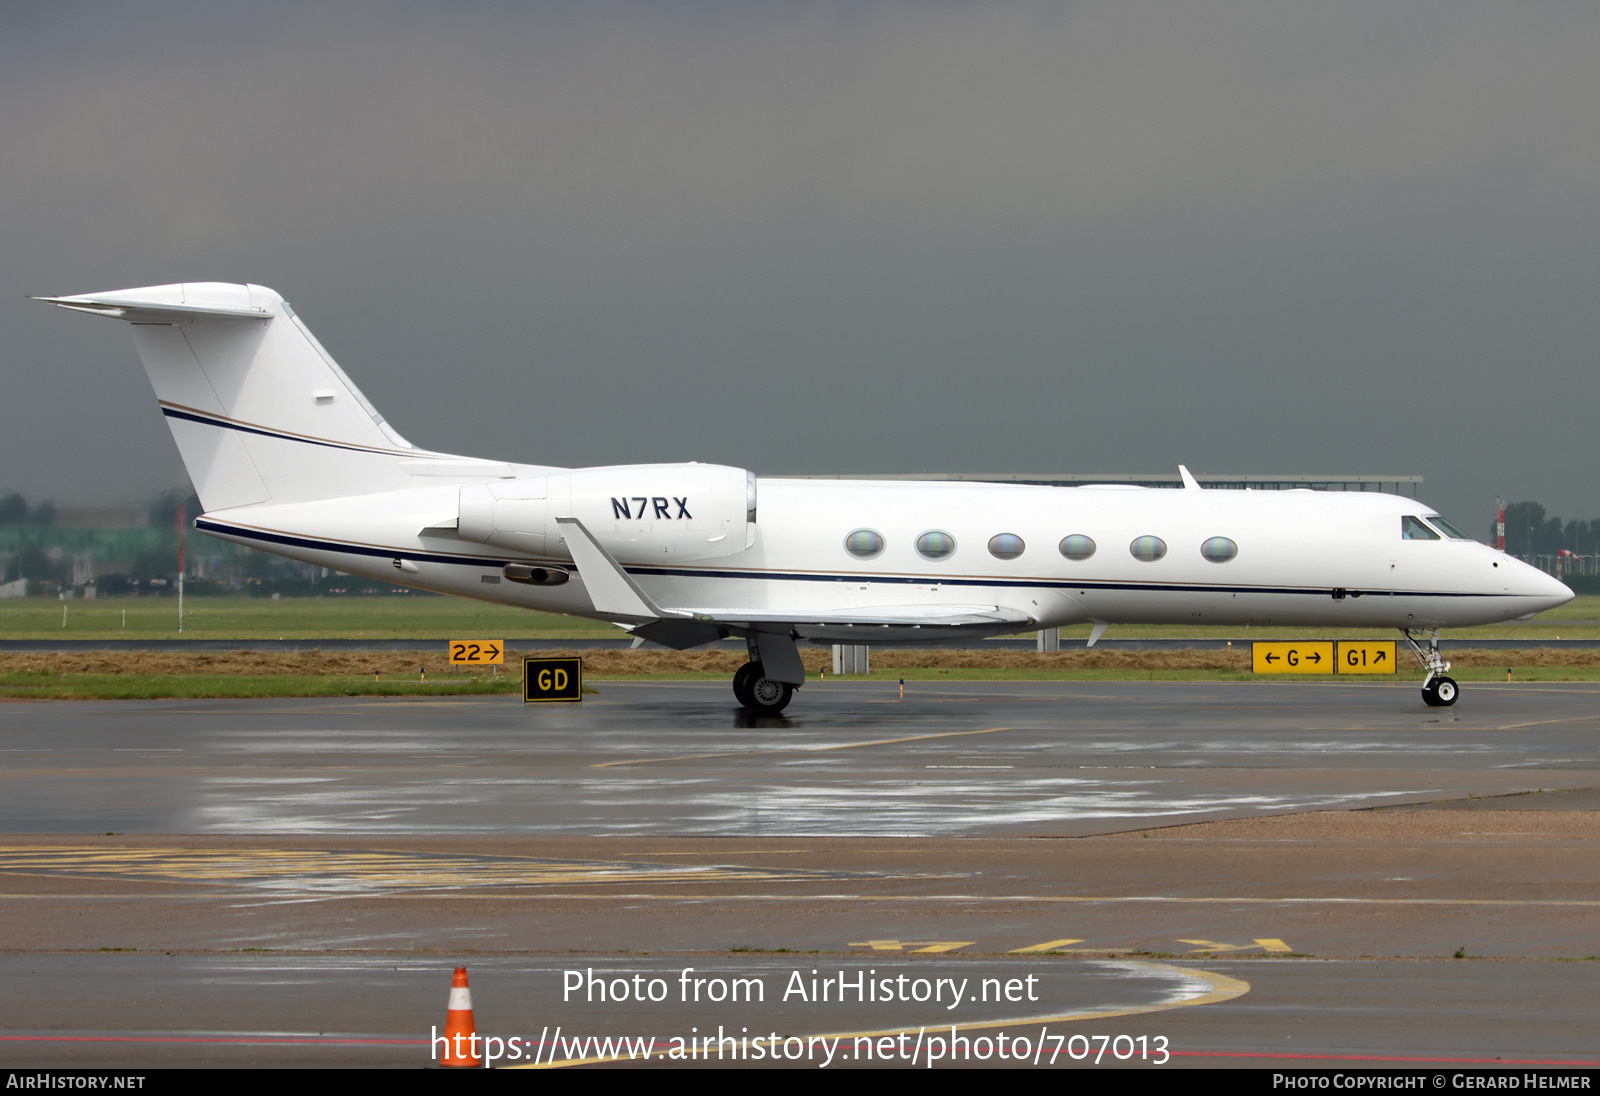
{"type": "Point", "coordinates": [1500, 524]}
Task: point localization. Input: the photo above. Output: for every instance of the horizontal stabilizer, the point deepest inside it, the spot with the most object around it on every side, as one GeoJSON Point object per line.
{"type": "Point", "coordinates": [135, 311]}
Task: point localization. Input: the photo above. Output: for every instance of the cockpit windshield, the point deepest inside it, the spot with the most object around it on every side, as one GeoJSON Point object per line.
{"type": "Point", "coordinates": [1446, 528]}
{"type": "Point", "coordinates": [1413, 528]}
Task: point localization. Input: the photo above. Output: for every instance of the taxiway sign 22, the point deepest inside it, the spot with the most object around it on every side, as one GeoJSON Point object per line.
{"type": "Point", "coordinates": [477, 652]}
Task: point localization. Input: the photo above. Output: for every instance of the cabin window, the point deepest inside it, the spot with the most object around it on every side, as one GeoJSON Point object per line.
{"type": "Point", "coordinates": [1077, 547]}
{"type": "Point", "coordinates": [1219, 549]}
{"type": "Point", "coordinates": [1447, 528]}
{"type": "Point", "coordinates": [1148, 549]}
{"type": "Point", "coordinates": [1006, 546]}
{"type": "Point", "coordinates": [864, 544]}
{"type": "Point", "coordinates": [1413, 529]}
{"type": "Point", "coordinates": [936, 544]}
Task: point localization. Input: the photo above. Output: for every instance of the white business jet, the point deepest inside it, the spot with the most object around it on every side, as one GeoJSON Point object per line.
{"type": "Point", "coordinates": [288, 456]}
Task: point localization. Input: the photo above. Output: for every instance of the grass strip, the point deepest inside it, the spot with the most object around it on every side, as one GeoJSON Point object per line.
{"type": "Point", "coordinates": [132, 675]}
{"type": "Point", "coordinates": [428, 617]}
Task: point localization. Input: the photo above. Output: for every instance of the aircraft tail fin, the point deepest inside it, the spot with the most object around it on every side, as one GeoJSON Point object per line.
{"type": "Point", "coordinates": [259, 410]}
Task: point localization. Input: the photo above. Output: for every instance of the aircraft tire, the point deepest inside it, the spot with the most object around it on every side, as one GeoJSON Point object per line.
{"type": "Point", "coordinates": [1441, 692]}
{"type": "Point", "coordinates": [741, 684]}
{"type": "Point", "coordinates": [765, 696]}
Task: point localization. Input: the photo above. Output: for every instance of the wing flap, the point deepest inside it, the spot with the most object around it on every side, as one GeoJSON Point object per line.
{"type": "Point", "coordinates": [928, 616]}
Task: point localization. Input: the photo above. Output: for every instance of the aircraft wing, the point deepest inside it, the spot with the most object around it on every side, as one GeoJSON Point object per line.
{"type": "Point", "coordinates": [612, 589]}
{"type": "Point", "coordinates": [616, 594]}
{"type": "Point", "coordinates": [905, 616]}
{"type": "Point", "coordinates": [868, 624]}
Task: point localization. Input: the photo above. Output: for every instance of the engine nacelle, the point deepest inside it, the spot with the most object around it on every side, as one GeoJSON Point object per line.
{"type": "Point", "coordinates": [642, 513]}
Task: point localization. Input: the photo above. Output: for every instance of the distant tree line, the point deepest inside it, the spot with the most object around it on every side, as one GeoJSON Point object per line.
{"type": "Point", "coordinates": [14, 510]}
{"type": "Point", "coordinates": [1529, 533]}
{"type": "Point", "coordinates": [162, 513]}
{"type": "Point", "coordinates": [55, 557]}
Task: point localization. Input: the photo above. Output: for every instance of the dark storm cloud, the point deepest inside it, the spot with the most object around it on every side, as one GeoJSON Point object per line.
{"type": "Point", "coordinates": [895, 237]}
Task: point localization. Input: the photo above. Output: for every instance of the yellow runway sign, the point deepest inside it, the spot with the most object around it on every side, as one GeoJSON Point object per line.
{"type": "Point", "coordinates": [1292, 657]}
{"type": "Point", "coordinates": [477, 652]}
{"type": "Point", "coordinates": [1313, 656]}
{"type": "Point", "coordinates": [1366, 656]}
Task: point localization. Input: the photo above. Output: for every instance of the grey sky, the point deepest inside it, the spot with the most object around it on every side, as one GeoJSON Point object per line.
{"type": "Point", "coordinates": [1273, 237]}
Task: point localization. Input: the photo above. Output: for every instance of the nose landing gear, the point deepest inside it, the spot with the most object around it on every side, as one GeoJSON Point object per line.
{"type": "Point", "coordinates": [1438, 691]}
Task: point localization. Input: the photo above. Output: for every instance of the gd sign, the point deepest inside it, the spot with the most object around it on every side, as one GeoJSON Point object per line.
{"type": "Point", "coordinates": [552, 679]}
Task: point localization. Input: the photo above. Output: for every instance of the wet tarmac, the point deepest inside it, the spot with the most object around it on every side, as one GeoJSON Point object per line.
{"type": "Point", "coordinates": [1256, 873]}
{"type": "Point", "coordinates": [966, 759]}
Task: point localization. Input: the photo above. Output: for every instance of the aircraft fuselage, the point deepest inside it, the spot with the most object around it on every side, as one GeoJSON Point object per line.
{"type": "Point", "coordinates": [1275, 557]}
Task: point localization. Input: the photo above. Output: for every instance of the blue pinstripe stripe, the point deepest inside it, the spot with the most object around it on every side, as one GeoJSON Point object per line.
{"type": "Point", "coordinates": [229, 424]}
{"type": "Point", "coordinates": [320, 545]}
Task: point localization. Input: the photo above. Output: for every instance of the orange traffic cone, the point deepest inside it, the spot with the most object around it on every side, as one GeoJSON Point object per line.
{"type": "Point", "coordinates": [460, 1040]}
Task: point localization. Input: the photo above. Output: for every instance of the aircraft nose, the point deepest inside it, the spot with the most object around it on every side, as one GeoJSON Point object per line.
{"type": "Point", "coordinates": [1546, 590]}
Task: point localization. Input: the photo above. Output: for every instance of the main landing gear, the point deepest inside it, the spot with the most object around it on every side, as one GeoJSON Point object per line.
{"type": "Point", "coordinates": [1438, 691]}
{"type": "Point", "coordinates": [758, 692]}
{"type": "Point", "coordinates": [765, 684]}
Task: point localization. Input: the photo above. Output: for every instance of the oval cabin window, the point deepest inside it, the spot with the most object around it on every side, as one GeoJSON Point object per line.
{"type": "Point", "coordinates": [864, 544]}
{"type": "Point", "coordinates": [1006, 546]}
{"type": "Point", "coordinates": [1148, 549]}
{"type": "Point", "coordinates": [1077, 546]}
{"type": "Point", "coordinates": [936, 544]}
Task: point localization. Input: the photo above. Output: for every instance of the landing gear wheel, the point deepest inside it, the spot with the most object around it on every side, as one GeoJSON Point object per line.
{"type": "Point", "coordinates": [768, 697]}
{"type": "Point", "coordinates": [758, 692]}
{"type": "Point", "coordinates": [1441, 692]}
{"type": "Point", "coordinates": [741, 683]}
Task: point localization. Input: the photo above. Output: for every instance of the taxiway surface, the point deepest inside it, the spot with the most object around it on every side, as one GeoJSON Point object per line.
{"type": "Point", "coordinates": [965, 759]}
{"type": "Point", "coordinates": [338, 857]}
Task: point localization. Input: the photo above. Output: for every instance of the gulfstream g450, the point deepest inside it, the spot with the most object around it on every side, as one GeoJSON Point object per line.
{"type": "Point", "coordinates": [288, 456]}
